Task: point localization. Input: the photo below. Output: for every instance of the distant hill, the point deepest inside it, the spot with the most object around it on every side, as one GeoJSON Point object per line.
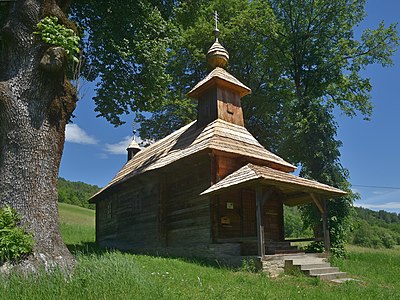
{"type": "Point", "coordinates": [76, 193]}
{"type": "Point", "coordinates": [382, 217]}
{"type": "Point", "coordinates": [375, 229]}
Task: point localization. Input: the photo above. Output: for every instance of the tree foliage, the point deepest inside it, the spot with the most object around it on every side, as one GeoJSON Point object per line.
{"type": "Point", "coordinates": [126, 51]}
{"type": "Point", "coordinates": [294, 225]}
{"type": "Point", "coordinates": [57, 34]}
{"type": "Point", "coordinates": [373, 229]}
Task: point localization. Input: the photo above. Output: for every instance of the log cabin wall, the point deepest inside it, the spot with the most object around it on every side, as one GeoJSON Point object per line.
{"type": "Point", "coordinates": [230, 210]}
{"type": "Point", "coordinates": [226, 165]}
{"type": "Point", "coordinates": [187, 213]}
{"type": "Point", "coordinates": [236, 211]}
{"type": "Point", "coordinates": [105, 222]}
{"type": "Point", "coordinates": [129, 218]}
{"type": "Point", "coordinates": [229, 108]}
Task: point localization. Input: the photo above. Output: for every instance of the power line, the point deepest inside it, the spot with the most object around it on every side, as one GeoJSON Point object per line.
{"type": "Point", "coordinates": [377, 187]}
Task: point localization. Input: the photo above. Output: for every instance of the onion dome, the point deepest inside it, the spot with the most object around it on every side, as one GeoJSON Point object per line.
{"type": "Point", "coordinates": [217, 56]}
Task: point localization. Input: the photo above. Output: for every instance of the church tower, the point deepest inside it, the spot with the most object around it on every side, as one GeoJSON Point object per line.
{"type": "Point", "coordinates": [219, 93]}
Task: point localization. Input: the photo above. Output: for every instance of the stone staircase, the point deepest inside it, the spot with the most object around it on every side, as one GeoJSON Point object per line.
{"type": "Point", "coordinates": [314, 266]}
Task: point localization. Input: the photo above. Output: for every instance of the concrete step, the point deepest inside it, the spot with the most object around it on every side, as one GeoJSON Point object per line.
{"type": "Point", "coordinates": [344, 279]}
{"type": "Point", "coordinates": [330, 276]}
{"type": "Point", "coordinates": [301, 262]}
{"type": "Point", "coordinates": [326, 270]}
{"type": "Point", "coordinates": [313, 266]}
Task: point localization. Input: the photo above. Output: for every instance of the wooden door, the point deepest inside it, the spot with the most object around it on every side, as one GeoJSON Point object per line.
{"type": "Point", "coordinates": [273, 220]}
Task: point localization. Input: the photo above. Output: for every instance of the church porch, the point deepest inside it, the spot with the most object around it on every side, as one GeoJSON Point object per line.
{"type": "Point", "coordinates": [247, 209]}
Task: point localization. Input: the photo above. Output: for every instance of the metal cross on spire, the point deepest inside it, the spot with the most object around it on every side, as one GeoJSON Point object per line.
{"type": "Point", "coordinates": [134, 126]}
{"type": "Point", "coordinates": [216, 30]}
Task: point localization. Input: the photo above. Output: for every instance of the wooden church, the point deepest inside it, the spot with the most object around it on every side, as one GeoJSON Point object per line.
{"type": "Point", "coordinates": [209, 189]}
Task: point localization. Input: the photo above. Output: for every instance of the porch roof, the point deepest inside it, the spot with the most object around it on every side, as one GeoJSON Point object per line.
{"type": "Point", "coordinates": [293, 186]}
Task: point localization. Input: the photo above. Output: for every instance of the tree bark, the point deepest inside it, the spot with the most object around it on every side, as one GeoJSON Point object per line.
{"type": "Point", "coordinates": [35, 105]}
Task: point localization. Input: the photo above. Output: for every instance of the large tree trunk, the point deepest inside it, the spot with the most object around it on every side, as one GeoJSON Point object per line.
{"type": "Point", "coordinates": [36, 101]}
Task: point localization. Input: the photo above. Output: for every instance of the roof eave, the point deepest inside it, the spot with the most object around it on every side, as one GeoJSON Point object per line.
{"type": "Point", "coordinates": [198, 90]}
{"type": "Point", "coordinates": [267, 182]}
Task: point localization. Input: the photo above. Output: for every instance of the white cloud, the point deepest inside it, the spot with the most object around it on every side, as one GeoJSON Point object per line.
{"type": "Point", "coordinates": [389, 206]}
{"type": "Point", "coordinates": [75, 134]}
{"type": "Point", "coordinates": [120, 147]}
{"type": "Point", "coordinates": [386, 200]}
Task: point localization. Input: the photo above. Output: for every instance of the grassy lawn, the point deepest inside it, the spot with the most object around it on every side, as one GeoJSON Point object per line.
{"type": "Point", "coordinates": [115, 275]}
{"type": "Point", "coordinates": [77, 225]}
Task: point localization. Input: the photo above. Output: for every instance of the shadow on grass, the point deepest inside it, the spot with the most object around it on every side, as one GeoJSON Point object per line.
{"type": "Point", "coordinates": [91, 248]}
{"type": "Point", "coordinates": [86, 248]}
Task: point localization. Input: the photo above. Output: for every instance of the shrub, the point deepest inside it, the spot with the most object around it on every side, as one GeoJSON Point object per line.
{"type": "Point", "coordinates": [374, 236]}
{"type": "Point", "coordinates": [387, 240]}
{"type": "Point", "coordinates": [248, 265]}
{"type": "Point", "coordinates": [15, 242]}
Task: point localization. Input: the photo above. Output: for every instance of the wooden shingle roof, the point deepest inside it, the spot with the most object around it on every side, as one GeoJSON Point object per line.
{"type": "Point", "coordinates": [224, 78]}
{"type": "Point", "coordinates": [251, 173]}
{"type": "Point", "coordinates": [188, 140]}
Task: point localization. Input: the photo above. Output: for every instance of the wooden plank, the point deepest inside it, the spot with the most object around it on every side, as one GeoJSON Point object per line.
{"type": "Point", "coordinates": [260, 227]}
{"type": "Point", "coordinates": [249, 223]}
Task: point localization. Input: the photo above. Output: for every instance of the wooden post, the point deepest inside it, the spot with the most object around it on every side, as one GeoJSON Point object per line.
{"type": "Point", "coordinates": [321, 204]}
{"type": "Point", "coordinates": [260, 227]}
{"type": "Point", "coordinates": [325, 228]}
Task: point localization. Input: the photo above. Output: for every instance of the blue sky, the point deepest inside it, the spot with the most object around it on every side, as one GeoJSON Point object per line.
{"type": "Point", "coordinates": [95, 150]}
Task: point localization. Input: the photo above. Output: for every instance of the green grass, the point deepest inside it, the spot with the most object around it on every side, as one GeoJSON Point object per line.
{"type": "Point", "coordinates": [115, 275]}
{"type": "Point", "coordinates": [77, 226]}
{"type": "Point", "coordinates": [73, 215]}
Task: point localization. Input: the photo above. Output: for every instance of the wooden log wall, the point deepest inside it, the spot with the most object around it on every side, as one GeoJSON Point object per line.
{"type": "Point", "coordinates": [237, 220]}
{"type": "Point", "coordinates": [134, 219]}
{"type": "Point", "coordinates": [187, 213]}
{"type": "Point", "coordinates": [105, 225]}
{"type": "Point", "coordinates": [230, 215]}
{"type": "Point", "coordinates": [227, 165]}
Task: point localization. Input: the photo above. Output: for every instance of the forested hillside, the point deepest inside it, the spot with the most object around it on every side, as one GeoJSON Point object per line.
{"type": "Point", "coordinates": [374, 229]}
{"type": "Point", "coordinates": [76, 193]}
